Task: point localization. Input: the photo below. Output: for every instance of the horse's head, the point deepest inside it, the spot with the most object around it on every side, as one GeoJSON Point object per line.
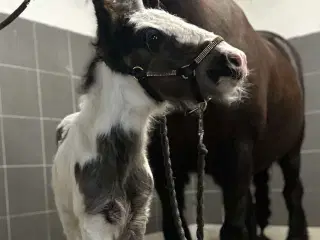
{"type": "Point", "coordinates": [155, 47]}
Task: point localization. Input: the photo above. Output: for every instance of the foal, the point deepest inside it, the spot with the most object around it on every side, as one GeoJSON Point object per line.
{"type": "Point", "coordinates": [101, 178]}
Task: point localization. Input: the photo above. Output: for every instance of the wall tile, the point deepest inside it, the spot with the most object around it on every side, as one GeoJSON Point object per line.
{"type": "Point", "coordinates": [310, 168]}
{"type": "Point", "coordinates": [276, 178]}
{"type": "Point", "coordinates": [51, 202]}
{"type": "Point", "coordinates": [76, 83]}
{"type": "Point", "coordinates": [279, 213]}
{"type": "Point", "coordinates": [312, 134]}
{"type": "Point", "coordinates": [2, 194]}
{"type": "Point", "coordinates": [213, 208]}
{"type": "Point", "coordinates": [16, 43]}
{"type": "Point", "coordinates": [19, 92]}
{"type": "Point", "coordinates": [31, 227]}
{"type": "Point", "coordinates": [55, 227]}
{"type": "Point", "coordinates": [1, 150]}
{"type": "Point", "coordinates": [190, 209]}
{"type": "Point", "coordinates": [310, 55]}
{"type": "Point", "coordinates": [22, 141]}
{"type": "Point", "coordinates": [82, 51]}
{"type": "Point", "coordinates": [50, 139]}
{"type": "Point", "coordinates": [3, 229]}
{"type": "Point", "coordinates": [312, 86]}
{"type": "Point", "coordinates": [159, 210]}
{"type": "Point", "coordinates": [209, 184]}
{"type": "Point", "coordinates": [56, 95]}
{"type": "Point", "coordinates": [152, 226]}
{"type": "Point", "coordinates": [192, 182]}
{"type": "Point", "coordinates": [53, 53]}
{"type": "Point", "coordinates": [311, 202]}
{"type": "Point", "coordinates": [26, 190]}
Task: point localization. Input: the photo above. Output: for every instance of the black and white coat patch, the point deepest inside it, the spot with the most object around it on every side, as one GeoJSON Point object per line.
{"type": "Point", "coordinates": [101, 177]}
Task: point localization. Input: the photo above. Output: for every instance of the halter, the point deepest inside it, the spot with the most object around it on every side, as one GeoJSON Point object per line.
{"type": "Point", "coordinates": [186, 72]}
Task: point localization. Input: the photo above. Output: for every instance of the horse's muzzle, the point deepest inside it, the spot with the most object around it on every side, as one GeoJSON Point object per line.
{"type": "Point", "coordinates": [227, 64]}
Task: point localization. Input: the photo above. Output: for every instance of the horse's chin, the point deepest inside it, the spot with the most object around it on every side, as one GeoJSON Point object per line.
{"type": "Point", "coordinates": [232, 91]}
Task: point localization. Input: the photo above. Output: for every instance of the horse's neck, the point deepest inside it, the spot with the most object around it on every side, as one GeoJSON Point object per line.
{"type": "Point", "coordinates": [114, 102]}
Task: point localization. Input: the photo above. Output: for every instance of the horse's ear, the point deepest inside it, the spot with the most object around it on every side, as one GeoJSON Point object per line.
{"type": "Point", "coordinates": [108, 11]}
{"type": "Point", "coordinates": [117, 8]}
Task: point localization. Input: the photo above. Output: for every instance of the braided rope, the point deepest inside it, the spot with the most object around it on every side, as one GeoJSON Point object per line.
{"type": "Point", "coordinates": [202, 151]}
{"type": "Point", "coordinates": [170, 180]}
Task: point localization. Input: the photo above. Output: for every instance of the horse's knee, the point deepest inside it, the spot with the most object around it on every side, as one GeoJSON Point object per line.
{"type": "Point", "coordinates": [293, 191]}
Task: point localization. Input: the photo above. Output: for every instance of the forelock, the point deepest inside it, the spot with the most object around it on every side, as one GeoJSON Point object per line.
{"type": "Point", "coordinates": [170, 25]}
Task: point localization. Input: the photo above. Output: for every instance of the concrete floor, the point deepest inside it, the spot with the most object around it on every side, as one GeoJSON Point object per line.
{"type": "Point", "coordinates": [212, 232]}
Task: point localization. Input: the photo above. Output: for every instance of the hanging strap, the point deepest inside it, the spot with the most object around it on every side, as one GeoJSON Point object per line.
{"type": "Point", "coordinates": [15, 14]}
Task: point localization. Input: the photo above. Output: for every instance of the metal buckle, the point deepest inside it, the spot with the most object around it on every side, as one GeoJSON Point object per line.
{"type": "Point", "coordinates": [191, 73]}
{"type": "Point", "coordinates": [136, 71]}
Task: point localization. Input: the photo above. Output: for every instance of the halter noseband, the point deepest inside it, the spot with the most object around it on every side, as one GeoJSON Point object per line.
{"type": "Point", "coordinates": [186, 72]}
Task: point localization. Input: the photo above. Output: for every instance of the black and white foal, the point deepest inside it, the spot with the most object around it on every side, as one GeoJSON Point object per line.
{"type": "Point", "coordinates": [101, 177]}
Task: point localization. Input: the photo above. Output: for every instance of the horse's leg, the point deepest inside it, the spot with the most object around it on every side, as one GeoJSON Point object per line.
{"type": "Point", "coordinates": [236, 178]}
{"type": "Point", "coordinates": [293, 193]}
{"type": "Point", "coordinates": [262, 200]}
{"type": "Point", "coordinates": [168, 226]}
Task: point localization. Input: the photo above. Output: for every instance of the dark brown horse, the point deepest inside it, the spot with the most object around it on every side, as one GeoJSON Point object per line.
{"type": "Point", "coordinates": [245, 139]}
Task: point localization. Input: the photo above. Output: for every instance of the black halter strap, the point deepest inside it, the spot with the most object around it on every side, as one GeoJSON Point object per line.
{"type": "Point", "coordinates": [186, 72]}
{"type": "Point", "coordinates": [15, 14]}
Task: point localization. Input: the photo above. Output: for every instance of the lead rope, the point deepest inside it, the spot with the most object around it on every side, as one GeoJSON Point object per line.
{"type": "Point", "coordinates": [169, 178]}
{"type": "Point", "coordinates": [15, 14]}
{"type": "Point", "coordinates": [202, 151]}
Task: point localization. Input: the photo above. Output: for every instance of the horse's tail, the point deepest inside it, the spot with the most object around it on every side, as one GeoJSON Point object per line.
{"type": "Point", "coordinates": [262, 201]}
{"type": "Point", "coordinates": [289, 51]}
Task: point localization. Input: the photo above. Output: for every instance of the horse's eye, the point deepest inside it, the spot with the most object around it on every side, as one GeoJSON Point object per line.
{"type": "Point", "coordinates": [153, 40]}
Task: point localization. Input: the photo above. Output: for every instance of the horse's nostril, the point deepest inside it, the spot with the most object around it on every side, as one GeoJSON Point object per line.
{"type": "Point", "coordinates": [234, 60]}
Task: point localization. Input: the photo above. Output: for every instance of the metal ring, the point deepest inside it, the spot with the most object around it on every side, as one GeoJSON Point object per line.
{"type": "Point", "coordinates": [192, 75]}
{"type": "Point", "coordinates": [137, 68]}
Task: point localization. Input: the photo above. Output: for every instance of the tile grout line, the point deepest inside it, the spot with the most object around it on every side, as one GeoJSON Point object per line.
{"type": "Point", "coordinates": [5, 172]}
{"type": "Point", "coordinates": [32, 214]}
{"type": "Point", "coordinates": [39, 70]}
{"type": "Point", "coordinates": [305, 74]}
{"type": "Point", "coordinates": [30, 117]}
{"type": "Point", "coordinates": [24, 166]}
{"type": "Point", "coordinates": [43, 151]}
{"type": "Point", "coordinates": [312, 112]}
{"type": "Point", "coordinates": [312, 73]}
{"type": "Point", "coordinates": [71, 72]}
{"type": "Point", "coordinates": [29, 214]}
